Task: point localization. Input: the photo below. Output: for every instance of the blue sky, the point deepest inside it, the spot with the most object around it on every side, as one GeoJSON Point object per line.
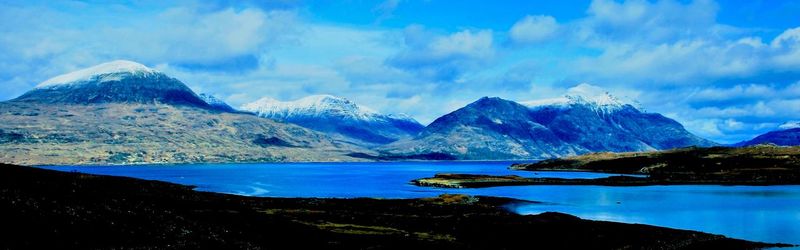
{"type": "Point", "coordinates": [727, 70]}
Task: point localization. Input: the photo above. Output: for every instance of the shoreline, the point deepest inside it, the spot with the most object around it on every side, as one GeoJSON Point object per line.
{"type": "Point", "coordinates": [513, 162]}
{"type": "Point", "coordinates": [95, 211]}
{"type": "Point", "coordinates": [448, 180]}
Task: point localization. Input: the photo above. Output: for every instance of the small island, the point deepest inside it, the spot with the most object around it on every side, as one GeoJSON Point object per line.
{"type": "Point", "coordinates": [446, 180]}
{"type": "Point", "coordinates": [755, 165]}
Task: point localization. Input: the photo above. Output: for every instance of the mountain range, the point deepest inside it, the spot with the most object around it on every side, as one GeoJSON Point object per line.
{"type": "Point", "coordinates": [123, 112]}
{"type": "Point", "coordinates": [337, 116]}
{"type": "Point", "coordinates": [587, 121]}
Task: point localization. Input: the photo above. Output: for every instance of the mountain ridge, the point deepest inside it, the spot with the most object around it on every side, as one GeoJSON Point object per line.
{"type": "Point", "coordinates": [783, 137]}
{"type": "Point", "coordinates": [121, 113]}
{"type": "Point", "coordinates": [495, 128]}
{"type": "Point", "coordinates": [327, 113]}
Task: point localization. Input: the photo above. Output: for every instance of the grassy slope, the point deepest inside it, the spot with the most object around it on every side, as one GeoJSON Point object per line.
{"type": "Point", "coordinates": [35, 134]}
{"type": "Point", "coordinates": [48, 209]}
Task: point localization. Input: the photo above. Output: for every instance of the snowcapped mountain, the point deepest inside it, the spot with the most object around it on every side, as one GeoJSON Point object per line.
{"type": "Point", "coordinates": [337, 115]}
{"type": "Point", "coordinates": [790, 125]}
{"type": "Point", "coordinates": [315, 105]}
{"type": "Point", "coordinates": [114, 82]}
{"type": "Point", "coordinates": [585, 95]}
{"type": "Point", "coordinates": [216, 103]}
{"type": "Point", "coordinates": [494, 128]}
{"type": "Point", "coordinates": [101, 73]}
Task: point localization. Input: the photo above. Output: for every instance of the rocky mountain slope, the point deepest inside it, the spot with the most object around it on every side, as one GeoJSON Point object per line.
{"type": "Point", "coordinates": [123, 112]}
{"type": "Point", "coordinates": [216, 103]}
{"type": "Point", "coordinates": [583, 122]}
{"type": "Point", "coordinates": [338, 116]}
{"type": "Point", "coordinates": [788, 136]}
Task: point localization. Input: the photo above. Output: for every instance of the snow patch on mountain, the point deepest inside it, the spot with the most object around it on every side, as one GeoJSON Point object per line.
{"type": "Point", "coordinates": [216, 103]}
{"type": "Point", "coordinates": [790, 125]}
{"type": "Point", "coordinates": [584, 94]}
{"type": "Point", "coordinates": [339, 116]}
{"type": "Point", "coordinates": [212, 100]}
{"type": "Point", "coordinates": [315, 105]}
{"type": "Point", "coordinates": [105, 72]}
{"type": "Point", "coordinates": [402, 116]}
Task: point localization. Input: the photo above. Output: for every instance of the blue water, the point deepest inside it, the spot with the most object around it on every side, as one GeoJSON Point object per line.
{"type": "Point", "coordinates": [760, 213]}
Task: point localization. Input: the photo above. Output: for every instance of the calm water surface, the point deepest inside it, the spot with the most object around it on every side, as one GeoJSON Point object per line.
{"type": "Point", "coordinates": [761, 213]}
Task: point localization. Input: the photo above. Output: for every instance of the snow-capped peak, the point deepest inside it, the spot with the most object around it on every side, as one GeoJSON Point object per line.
{"type": "Point", "coordinates": [104, 72]}
{"type": "Point", "coordinates": [593, 94]}
{"type": "Point", "coordinates": [583, 94]}
{"type": "Point", "coordinates": [315, 105]}
{"type": "Point", "coordinates": [212, 100]}
{"type": "Point", "coordinates": [402, 116]}
{"type": "Point", "coordinates": [790, 125]}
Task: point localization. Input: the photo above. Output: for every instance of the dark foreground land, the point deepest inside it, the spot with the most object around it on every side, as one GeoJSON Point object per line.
{"type": "Point", "coordinates": [43, 209]}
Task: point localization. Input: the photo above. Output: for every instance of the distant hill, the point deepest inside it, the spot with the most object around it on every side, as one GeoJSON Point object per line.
{"type": "Point", "coordinates": [124, 112]}
{"type": "Point", "coordinates": [785, 137]}
{"type": "Point", "coordinates": [338, 116]}
{"type": "Point", "coordinates": [494, 128]}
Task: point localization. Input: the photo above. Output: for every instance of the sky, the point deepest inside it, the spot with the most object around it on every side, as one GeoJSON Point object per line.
{"type": "Point", "coordinates": [727, 70]}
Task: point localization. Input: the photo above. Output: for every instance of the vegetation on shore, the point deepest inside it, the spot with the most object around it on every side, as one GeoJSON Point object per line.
{"type": "Point", "coordinates": [60, 210]}
{"type": "Point", "coordinates": [755, 165]}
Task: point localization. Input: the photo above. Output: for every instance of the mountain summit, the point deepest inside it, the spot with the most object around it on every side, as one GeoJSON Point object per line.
{"type": "Point", "coordinates": [114, 82]}
{"type": "Point", "coordinates": [337, 115]}
{"type": "Point", "coordinates": [586, 95]}
{"type": "Point", "coordinates": [494, 128]}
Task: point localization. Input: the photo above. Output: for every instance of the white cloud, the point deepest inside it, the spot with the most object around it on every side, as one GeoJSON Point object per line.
{"type": "Point", "coordinates": [178, 36]}
{"type": "Point", "coordinates": [737, 92]}
{"type": "Point", "coordinates": [443, 57]}
{"type": "Point", "coordinates": [733, 124]}
{"type": "Point", "coordinates": [680, 63]}
{"type": "Point", "coordinates": [187, 35]}
{"type": "Point", "coordinates": [532, 29]}
{"type": "Point", "coordinates": [611, 21]}
{"type": "Point", "coordinates": [788, 46]}
{"type": "Point", "coordinates": [789, 38]}
{"type": "Point", "coordinates": [463, 44]}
